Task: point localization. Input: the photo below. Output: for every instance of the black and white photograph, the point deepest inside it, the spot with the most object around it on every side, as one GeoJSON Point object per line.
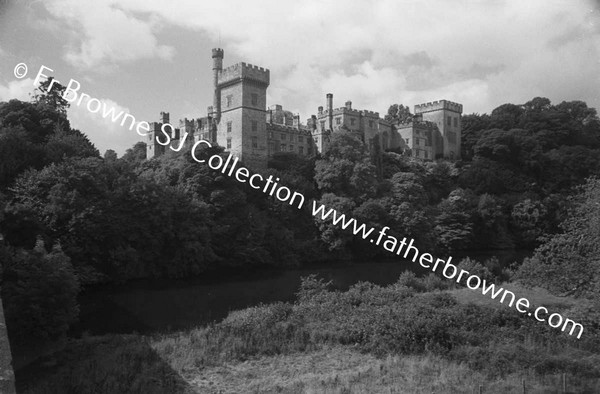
{"type": "Point", "coordinates": [310, 196]}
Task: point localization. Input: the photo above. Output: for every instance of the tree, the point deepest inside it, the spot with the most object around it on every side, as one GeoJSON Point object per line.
{"type": "Point", "coordinates": [569, 262]}
{"type": "Point", "coordinates": [528, 219]}
{"type": "Point", "coordinates": [346, 169]}
{"type": "Point", "coordinates": [506, 116]}
{"type": "Point", "coordinates": [137, 153]}
{"type": "Point", "coordinates": [39, 291]}
{"type": "Point", "coordinates": [69, 143]}
{"type": "Point", "coordinates": [18, 154]}
{"type": "Point", "coordinates": [398, 113]}
{"type": "Point", "coordinates": [110, 155]}
{"type": "Point", "coordinates": [51, 93]}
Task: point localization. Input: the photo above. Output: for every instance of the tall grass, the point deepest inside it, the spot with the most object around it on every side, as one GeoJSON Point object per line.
{"type": "Point", "coordinates": [410, 335]}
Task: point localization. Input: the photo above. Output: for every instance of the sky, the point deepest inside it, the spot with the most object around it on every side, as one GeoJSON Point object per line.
{"type": "Point", "coordinates": [148, 56]}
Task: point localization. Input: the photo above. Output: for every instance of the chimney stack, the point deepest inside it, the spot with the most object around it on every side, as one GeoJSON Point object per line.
{"type": "Point", "coordinates": [330, 110]}
{"type": "Point", "coordinates": [348, 104]}
{"type": "Point", "coordinates": [217, 56]}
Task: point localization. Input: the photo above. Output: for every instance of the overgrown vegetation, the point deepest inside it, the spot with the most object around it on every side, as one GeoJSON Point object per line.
{"type": "Point", "coordinates": [394, 321]}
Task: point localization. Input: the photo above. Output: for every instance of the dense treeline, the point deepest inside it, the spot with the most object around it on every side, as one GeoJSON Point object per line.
{"type": "Point", "coordinates": [96, 219]}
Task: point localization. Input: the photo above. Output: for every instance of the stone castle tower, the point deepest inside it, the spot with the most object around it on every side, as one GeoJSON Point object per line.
{"type": "Point", "coordinates": [240, 109]}
{"type": "Point", "coordinates": [153, 148]}
{"type": "Point", "coordinates": [447, 116]}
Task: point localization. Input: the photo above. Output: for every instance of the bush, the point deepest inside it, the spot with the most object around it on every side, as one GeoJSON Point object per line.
{"type": "Point", "coordinates": [39, 291]}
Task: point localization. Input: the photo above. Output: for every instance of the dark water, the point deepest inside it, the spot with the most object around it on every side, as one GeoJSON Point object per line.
{"type": "Point", "coordinates": [147, 307]}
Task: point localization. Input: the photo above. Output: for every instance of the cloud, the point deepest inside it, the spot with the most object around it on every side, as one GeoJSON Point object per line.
{"type": "Point", "coordinates": [373, 52]}
{"type": "Point", "coordinates": [18, 89]}
{"type": "Point", "coordinates": [105, 133]}
{"type": "Point", "coordinates": [107, 35]}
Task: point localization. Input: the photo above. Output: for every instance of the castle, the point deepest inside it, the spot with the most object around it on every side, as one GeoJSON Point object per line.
{"type": "Point", "coordinates": [240, 121]}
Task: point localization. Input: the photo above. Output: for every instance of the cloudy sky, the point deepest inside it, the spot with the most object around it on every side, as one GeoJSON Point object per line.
{"type": "Point", "coordinates": [145, 56]}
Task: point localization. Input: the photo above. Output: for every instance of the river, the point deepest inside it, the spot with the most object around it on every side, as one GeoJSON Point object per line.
{"type": "Point", "coordinates": [161, 306]}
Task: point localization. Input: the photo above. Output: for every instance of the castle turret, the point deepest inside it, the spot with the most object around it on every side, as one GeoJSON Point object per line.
{"type": "Point", "coordinates": [164, 117]}
{"type": "Point", "coordinates": [217, 56]}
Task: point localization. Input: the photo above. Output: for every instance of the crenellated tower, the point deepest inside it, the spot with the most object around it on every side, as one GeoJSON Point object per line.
{"type": "Point", "coordinates": [242, 111]}
{"type": "Point", "coordinates": [447, 116]}
{"type": "Point", "coordinates": [153, 148]}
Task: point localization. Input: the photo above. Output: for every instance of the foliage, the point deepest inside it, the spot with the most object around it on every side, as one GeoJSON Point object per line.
{"type": "Point", "coordinates": [568, 262]}
{"type": "Point", "coordinates": [51, 93]}
{"type": "Point", "coordinates": [398, 113]}
{"type": "Point", "coordinates": [33, 135]}
{"type": "Point", "coordinates": [39, 292]}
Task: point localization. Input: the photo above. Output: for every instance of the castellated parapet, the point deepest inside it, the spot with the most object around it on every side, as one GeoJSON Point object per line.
{"type": "Point", "coordinates": [244, 71]}
{"type": "Point", "coordinates": [370, 114]}
{"type": "Point", "coordinates": [217, 52]}
{"type": "Point", "coordinates": [438, 105]}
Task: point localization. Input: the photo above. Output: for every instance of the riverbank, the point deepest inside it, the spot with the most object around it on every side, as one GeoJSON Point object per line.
{"type": "Point", "coordinates": [367, 339]}
{"type": "Point", "coordinates": [150, 306]}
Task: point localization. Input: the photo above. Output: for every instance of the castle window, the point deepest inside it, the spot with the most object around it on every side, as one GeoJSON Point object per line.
{"type": "Point", "coordinates": [229, 99]}
{"type": "Point", "coordinates": [338, 120]}
{"type": "Point", "coordinates": [455, 122]}
{"type": "Point", "coordinates": [425, 154]}
{"type": "Point", "coordinates": [282, 147]}
{"type": "Point", "coordinates": [228, 143]}
{"type": "Point", "coordinates": [352, 121]}
{"type": "Point", "coordinates": [271, 134]}
{"type": "Point", "coordinates": [323, 125]}
{"type": "Point", "coordinates": [254, 125]}
{"type": "Point", "coordinates": [255, 142]}
{"type": "Point", "coordinates": [254, 99]}
{"type": "Point", "coordinates": [282, 136]}
{"type": "Point", "coordinates": [371, 124]}
{"type": "Point", "coordinates": [301, 150]}
{"type": "Point", "coordinates": [291, 148]}
{"type": "Point", "coordinates": [300, 139]}
{"type": "Point", "coordinates": [317, 140]}
{"type": "Point", "coordinates": [309, 149]}
{"type": "Point", "coordinates": [449, 121]}
{"type": "Point", "coordinates": [291, 138]}
{"type": "Point", "coordinates": [407, 141]}
{"type": "Point", "coordinates": [229, 127]}
{"type": "Point", "coordinates": [272, 146]}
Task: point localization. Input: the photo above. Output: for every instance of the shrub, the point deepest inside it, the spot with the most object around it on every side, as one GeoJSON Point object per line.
{"type": "Point", "coordinates": [39, 291]}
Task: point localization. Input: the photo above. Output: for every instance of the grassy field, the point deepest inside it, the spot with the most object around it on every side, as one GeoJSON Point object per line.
{"type": "Point", "coordinates": [537, 296]}
{"type": "Point", "coordinates": [369, 339]}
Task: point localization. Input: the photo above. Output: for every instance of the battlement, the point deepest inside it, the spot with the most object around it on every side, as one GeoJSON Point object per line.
{"type": "Point", "coordinates": [370, 114]}
{"type": "Point", "coordinates": [244, 71]}
{"type": "Point", "coordinates": [437, 106]}
{"type": "Point", "coordinates": [217, 52]}
{"type": "Point", "coordinates": [345, 110]}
